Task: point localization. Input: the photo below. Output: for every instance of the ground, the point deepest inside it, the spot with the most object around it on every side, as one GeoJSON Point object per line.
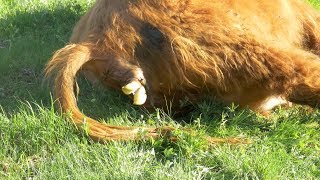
{"type": "Point", "coordinates": [36, 142]}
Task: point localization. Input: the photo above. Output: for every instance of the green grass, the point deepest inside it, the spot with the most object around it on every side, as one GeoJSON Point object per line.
{"type": "Point", "coordinates": [36, 142]}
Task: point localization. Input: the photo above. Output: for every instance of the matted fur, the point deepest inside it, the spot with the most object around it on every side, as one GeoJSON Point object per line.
{"type": "Point", "coordinates": [244, 52]}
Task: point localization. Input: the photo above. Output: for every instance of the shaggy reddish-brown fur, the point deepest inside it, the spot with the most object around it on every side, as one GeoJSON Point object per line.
{"type": "Point", "coordinates": [254, 53]}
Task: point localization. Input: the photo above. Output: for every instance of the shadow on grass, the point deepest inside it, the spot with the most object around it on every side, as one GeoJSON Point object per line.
{"type": "Point", "coordinates": [46, 23]}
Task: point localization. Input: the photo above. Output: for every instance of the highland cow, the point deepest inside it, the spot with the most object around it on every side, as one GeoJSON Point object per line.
{"type": "Point", "coordinates": [257, 54]}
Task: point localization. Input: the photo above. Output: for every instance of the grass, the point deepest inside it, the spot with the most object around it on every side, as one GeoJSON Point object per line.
{"type": "Point", "coordinates": [37, 143]}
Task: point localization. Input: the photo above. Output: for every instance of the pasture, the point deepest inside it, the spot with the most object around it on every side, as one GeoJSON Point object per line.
{"type": "Point", "coordinates": [36, 142]}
